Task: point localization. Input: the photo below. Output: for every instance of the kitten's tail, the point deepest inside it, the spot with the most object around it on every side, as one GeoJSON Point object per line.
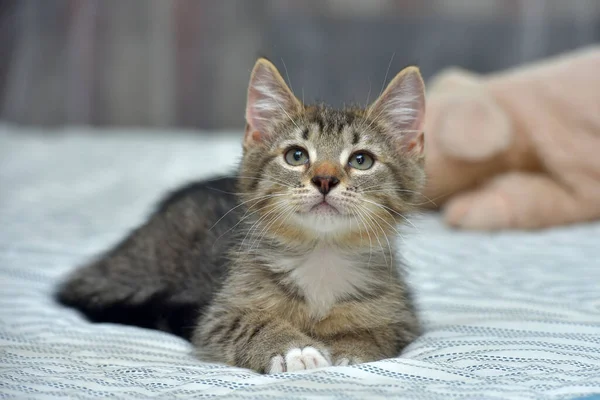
{"type": "Point", "coordinates": [103, 300]}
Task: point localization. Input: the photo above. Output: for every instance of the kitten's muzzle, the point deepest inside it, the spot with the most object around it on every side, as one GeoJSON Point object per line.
{"type": "Point", "coordinates": [325, 183]}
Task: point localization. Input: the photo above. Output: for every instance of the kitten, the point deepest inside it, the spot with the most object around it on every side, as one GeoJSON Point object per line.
{"type": "Point", "coordinates": [299, 271]}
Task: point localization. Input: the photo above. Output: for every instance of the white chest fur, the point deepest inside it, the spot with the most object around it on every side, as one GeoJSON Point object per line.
{"type": "Point", "coordinates": [324, 276]}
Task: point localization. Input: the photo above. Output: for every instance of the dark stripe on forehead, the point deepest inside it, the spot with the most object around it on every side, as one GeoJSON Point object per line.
{"type": "Point", "coordinates": [350, 118]}
{"type": "Point", "coordinates": [341, 127]}
{"type": "Point", "coordinates": [305, 134]}
{"type": "Point", "coordinates": [355, 137]}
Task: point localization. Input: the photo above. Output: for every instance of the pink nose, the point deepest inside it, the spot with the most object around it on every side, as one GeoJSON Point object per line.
{"type": "Point", "coordinates": [325, 183]}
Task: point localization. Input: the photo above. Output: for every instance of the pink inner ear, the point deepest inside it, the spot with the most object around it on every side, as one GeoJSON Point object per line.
{"type": "Point", "coordinates": [252, 136]}
{"type": "Point", "coordinates": [257, 136]}
{"type": "Point", "coordinates": [413, 143]}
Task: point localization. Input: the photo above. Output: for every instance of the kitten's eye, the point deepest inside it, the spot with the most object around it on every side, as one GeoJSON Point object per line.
{"type": "Point", "coordinates": [361, 161]}
{"type": "Point", "coordinates": [296, 156]}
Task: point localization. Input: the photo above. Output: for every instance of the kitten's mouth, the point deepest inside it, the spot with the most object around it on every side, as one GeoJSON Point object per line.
{"type": "Point", "coordinates": [324, 208]}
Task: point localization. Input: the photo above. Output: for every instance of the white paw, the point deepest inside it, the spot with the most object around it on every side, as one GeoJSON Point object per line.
{"type": "Point", "coordinates": [277, 365]}
{"type": "Point", "coordinates": [297, 359]}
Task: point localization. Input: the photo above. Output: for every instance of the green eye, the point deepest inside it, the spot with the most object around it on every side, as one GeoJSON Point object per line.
{"type": "Point", "coordinates": [361, 161]}
{"type": "Point", "coordinates": [296, 156]}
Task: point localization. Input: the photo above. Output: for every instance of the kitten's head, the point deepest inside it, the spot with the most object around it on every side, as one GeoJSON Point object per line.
{"type": "Point", "coordinates": [322, 171]}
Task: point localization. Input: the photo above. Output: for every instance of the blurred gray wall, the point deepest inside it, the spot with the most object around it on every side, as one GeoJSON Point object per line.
{"type": "Point", "coordinates": [185, 63]}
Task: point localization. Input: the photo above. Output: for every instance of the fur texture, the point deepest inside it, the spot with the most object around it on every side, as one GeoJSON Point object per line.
{"type": "Point", "coordinates": [291, 265]}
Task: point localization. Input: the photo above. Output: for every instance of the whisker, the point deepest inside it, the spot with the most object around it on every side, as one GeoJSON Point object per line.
{"type": "Point", "coordinates": [272, 180]}
{"type": "Point", "coordinates": [388, 242]}
{"type": "Point", "coordinates": [359, 228]}
{"type": "Point", "coordinates": [385, 189]}
{"type": "Point", "coordinates": [368, 219]}
{"type": "Point", "coordinates": [391, 226]}
{"type": "Point", "coordinates": [384, 185]}
{"type": "Point", "coordinates": [292, 211]}
{"type": "Point", "coordinates": [257, 221]}
{"type": "Point", "coordinates": [276, 207]}
{"type": "Point", "coordinates": [359, 214]}
{"type": "Point", "coordinates": [380, 186]}
{"type": "Point", "coordinates": [390, 211]}
{"type": "Point", "coordinates": [242, 219]}
{"type": "Point", "coordinates": [287, 75]}
{"type": "Point", "coordinates": [286, 212]}
{"type": "Point", "coordinates": [261, 234]}
{"type": "Point", "coordinates": [384, 234]}
{"type": "Point", "coordinates": [282, 182]}
{"type": "Point", "coordinates": [429, 201]}
{"type": "Point", "coordinates": [373, 120]}
{"type": "Point", "coordinates": [241, 204]}
{"type": "Point", "coordinates": [371, 219]}
{"type": "Point", "coordinates": [387, 71]}
{"type": "Point", "coordinates": [285, 218]}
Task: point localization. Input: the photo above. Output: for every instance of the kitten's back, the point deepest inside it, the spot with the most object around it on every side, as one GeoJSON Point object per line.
{"type": "Point", "coordinates": [164, 273]}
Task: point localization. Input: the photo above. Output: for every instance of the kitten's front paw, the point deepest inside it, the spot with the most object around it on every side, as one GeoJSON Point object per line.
{"type": "Point", "coordinates": [297, 359]}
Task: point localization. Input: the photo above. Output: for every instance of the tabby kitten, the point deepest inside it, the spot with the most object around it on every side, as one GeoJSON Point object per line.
{"type": "Point", "coordinates": [296, 270]}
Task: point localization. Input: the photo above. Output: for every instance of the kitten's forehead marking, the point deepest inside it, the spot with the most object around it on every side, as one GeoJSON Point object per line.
{"type": "Point", "coordinates": [329, 134]}
{"type": "Point", "coordinates": [333, 135]}
{"type": "Point", "coordinates": [305, 133]}
{"type": "Point", "coordinates": [355, 136]}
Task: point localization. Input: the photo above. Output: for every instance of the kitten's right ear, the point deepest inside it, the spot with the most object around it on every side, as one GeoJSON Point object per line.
{"type": "Point", "coordinates": [269, 101]}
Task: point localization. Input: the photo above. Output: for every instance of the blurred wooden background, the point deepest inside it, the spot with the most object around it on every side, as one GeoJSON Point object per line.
{"type": "Point", "coordinates": [185, 63]}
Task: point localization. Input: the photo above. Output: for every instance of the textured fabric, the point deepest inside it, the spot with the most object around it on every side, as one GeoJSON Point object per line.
{"type": "Point", "coordinates": [510, 315]}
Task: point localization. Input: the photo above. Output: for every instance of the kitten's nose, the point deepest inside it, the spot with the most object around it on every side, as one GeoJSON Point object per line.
{"type": "Point", "coordinates": [325, 183]}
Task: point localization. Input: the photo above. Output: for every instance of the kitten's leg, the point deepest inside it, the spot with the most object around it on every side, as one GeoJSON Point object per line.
{"type": "Point", "coordinates": [266, 344]}
{"type": "Point", "coordinates": [520, 201]}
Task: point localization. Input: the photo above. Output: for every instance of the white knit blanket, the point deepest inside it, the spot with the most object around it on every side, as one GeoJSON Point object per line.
{"type": "Point", "coordinates": [510, 315]}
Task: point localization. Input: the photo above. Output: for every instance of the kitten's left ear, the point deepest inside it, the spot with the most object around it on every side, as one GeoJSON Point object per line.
{"type": "Point", "coordinates": [401, 109]}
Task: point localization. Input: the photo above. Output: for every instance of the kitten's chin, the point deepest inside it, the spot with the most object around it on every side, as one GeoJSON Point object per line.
{"type": "Point", "coordinates": [323, 218]}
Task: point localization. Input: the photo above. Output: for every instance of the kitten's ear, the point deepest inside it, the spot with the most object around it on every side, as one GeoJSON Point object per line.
{"type": "Point", "coordinates": [401, 109]}
{"type": "Point", "coordinates": [269, 101]}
